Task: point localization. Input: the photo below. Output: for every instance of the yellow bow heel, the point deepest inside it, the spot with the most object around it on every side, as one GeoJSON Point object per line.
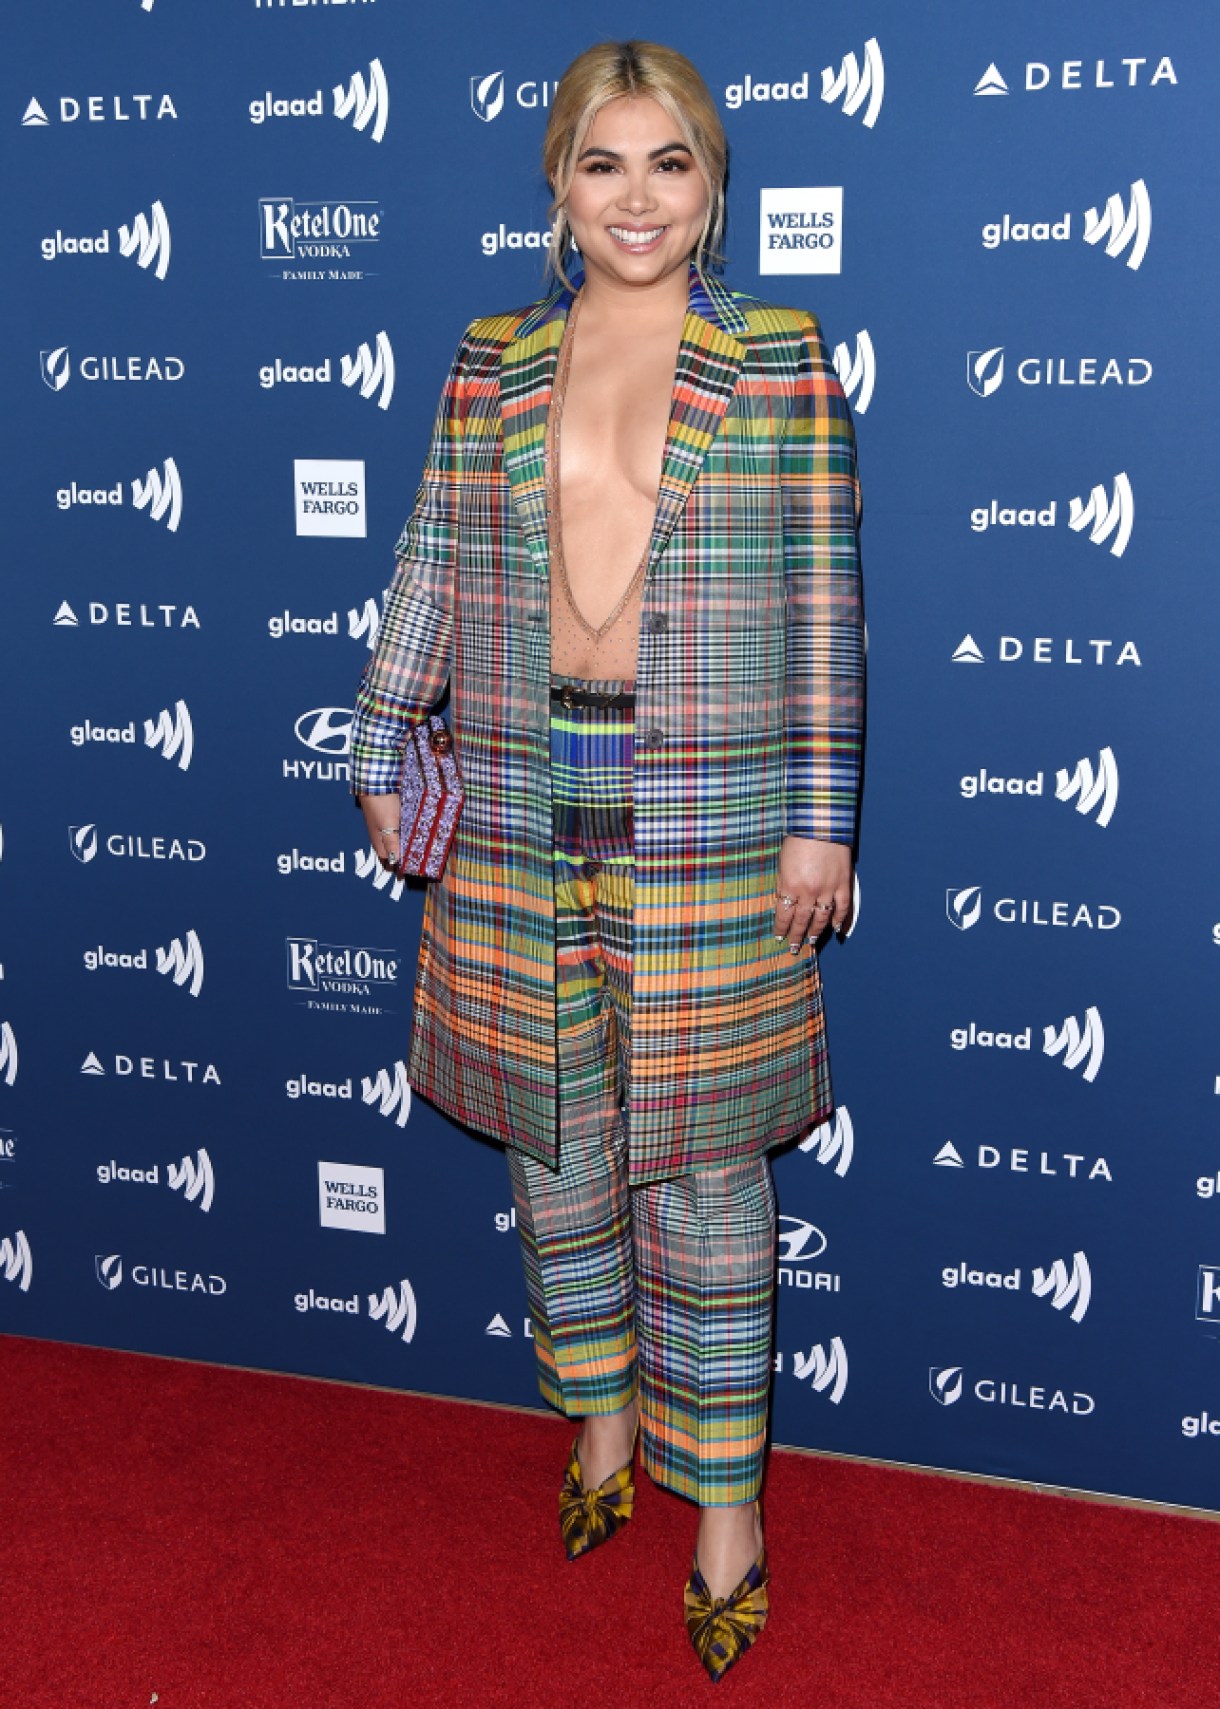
{"type": "Point", "coordinates": [722, 1628]}
{"type": "Point", "coordinates": [588, 1517]}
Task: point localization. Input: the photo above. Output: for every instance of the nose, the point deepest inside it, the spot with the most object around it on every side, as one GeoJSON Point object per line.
{"type": "Point", "coordinates": [637, 195]}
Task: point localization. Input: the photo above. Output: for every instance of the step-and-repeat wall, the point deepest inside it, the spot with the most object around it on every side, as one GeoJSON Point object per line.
{"type": "Point", "coordinates": [243, 241]}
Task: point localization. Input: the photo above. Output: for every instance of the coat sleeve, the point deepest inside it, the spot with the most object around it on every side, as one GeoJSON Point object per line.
{"type": "Point", "coordinates": [825, 621]}
{"type": "Point", "coordinates": [407, 670]}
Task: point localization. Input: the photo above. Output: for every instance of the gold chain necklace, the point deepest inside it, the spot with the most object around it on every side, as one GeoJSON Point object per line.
{"type": "Point", "coordinates": [551, 454]}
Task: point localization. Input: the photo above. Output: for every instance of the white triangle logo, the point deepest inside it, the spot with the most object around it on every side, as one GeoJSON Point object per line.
{"type": "Point", "coordinates": [497, 1326]}
{"type": "Point", "coordinates": [65, 617]}
{"type": "Point", "coordinates": [34, 115]}
{"type": "Point", "coordinates": [991, 83]}
{"type": "Point", "coordinates": [91, 1065]}
{"type": "Point", "coordinates": [968, 652]}
{"type": "Point", "coordinates": [949, 1156]}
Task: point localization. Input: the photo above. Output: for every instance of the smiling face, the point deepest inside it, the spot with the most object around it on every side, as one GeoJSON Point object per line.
{"type": "Point", "coordinates": [637, 201]}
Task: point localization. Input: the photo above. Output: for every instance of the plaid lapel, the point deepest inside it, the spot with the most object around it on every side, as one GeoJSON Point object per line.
{"type": "Point", "coordinates": [710, 357]}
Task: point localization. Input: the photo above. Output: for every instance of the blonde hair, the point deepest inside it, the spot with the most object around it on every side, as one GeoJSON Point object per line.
{"type": "Point", "coordinates": [603, 73]}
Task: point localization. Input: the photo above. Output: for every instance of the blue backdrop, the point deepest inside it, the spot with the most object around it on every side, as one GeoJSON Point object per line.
{"type": "Point", "coordinates": [1003, 1254]}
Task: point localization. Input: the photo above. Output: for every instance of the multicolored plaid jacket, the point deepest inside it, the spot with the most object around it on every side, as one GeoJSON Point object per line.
{"type": "Point", "coordinates": [749, 704]}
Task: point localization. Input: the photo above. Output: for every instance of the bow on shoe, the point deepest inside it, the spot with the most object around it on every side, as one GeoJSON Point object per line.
{"type": "Point", "coordinates": [588, 1517]}
{"type": "Point", "coordinates": [722, 1628]}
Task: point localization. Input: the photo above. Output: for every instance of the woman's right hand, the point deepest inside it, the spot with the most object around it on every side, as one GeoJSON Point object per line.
{"type": "Point", "coordinates": [383, 816]}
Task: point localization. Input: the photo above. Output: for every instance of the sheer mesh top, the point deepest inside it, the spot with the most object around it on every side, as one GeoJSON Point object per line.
{"type": "Point", "coordinates": [608, 651]}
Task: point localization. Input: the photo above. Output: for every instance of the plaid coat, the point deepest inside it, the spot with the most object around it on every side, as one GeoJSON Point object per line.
{"type": "Point", "coordinates": [749, 698]}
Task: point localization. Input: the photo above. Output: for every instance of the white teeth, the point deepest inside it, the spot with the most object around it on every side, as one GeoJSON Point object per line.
{"type": "Point", "coordinates": [639, 238]}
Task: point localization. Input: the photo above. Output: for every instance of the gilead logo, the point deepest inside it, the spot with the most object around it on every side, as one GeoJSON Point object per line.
{"type": "Point", "coordinates": [946, 1384]}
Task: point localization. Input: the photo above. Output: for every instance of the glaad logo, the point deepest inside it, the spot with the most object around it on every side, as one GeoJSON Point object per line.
{"type": "Point", "coordinates": [1078, 1044]}
{"type": "Point", "coordinates": [1103, 517]}
{"type": "Point", "coordinates": [9, 1058]}
{"type": "Point", "coordinates": [84, 842]}
{"type": "Point", "coordinates": [362, 624]}
{"type": "Point", "coordinates": [1071, 74]}
{"type": "Point", "coordinates": [1101, 514]}
{"type": "Point", "coordinates": [824, 1371]}
{"type": "Point", "coordinates": [96, 109]}
{"type": "Point", "coordinates": [367, 103]}
{"type": "Point", "coordinates": [324, 730]}
{"type": "Point", "coordinates": [1201, 1424]}
{"type": "Point", "coordinates": [183, 962]}
{"type": "Point", "coordinates": [945, 1383]}
{"type": "Point", "coordinates": [395, 1307]}
{"type": "Point", "coordinates": [351, 1195]}
{"type": "Point", "coordinates": [372, 374]}
{"type": "Point", "coordinates": [833, 1141]}
{"type": "Point", "coordinates": [858, 84]}
{"type": "Point", "coordinates": [366, 865]}
{"type": "Point", "coordinates": [857, 371]}
{"type": "Point", "coordinates": [1097, 791]}
{"type": "Point", "coordinates": [487, 95]}
{"type": "Point", "coordinates": [800, 231]}
{"type": "Point", "coordinates": [192, 1177]}
{"type": "Point", "coordinates": [991, 1157]}
{"type": "Point", "coordinates": [16, 1260]}
{"type": "Point", "coordinates": [330, 496]}
{"type": "Point", "coordinates": [390, 1090]}
{"type": "Point", "coordinates": [55, 366]}
{"type": "Point", "coordinates": [1074, 1288]}
{"type": "Point", "coordinates": [147, 239]}
{"type": "Point", "coordinates": [159, 493]}
{"type": "Point", "coordinates": [985, 370]}
{"type": "Point", "coordinates": [1120, 225]}
{"type": "Point", "coordinates": [496, 242]}
{"type": "Point", "coordinates": [1044, 650]}
{"type": "Point", "coordinates": [964, 908]}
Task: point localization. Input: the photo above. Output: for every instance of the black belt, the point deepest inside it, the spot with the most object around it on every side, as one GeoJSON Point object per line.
{"type": "Point", "coordinates": [569, 696]}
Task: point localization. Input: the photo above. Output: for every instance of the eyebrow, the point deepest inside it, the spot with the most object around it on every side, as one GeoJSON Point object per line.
{"type": "Point", "coordinates": [653, 154]}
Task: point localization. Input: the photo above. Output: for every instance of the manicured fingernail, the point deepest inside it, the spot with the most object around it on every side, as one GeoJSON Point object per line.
{"type": "Point", "coordinates": [779, 937]}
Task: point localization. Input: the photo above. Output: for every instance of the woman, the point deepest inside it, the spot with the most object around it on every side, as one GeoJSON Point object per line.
{"type": "Point", "coordinates": [654, 650]}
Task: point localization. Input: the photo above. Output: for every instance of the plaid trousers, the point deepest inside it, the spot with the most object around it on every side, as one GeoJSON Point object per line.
{"type": "Point", "coordinates": [668, 1286]}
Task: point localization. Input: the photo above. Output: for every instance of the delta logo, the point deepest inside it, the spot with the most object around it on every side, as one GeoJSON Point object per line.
{"type": "Point", "coordinates": [364, 101]}
{"type": "Point", "coordinates": [1049, 650]}
{"type": "Point", "coordinates": [1125, 227]}
{"type": "Point", "coordinates": [97, 109]}
{"type": "Point", "coordinates": [1071, 75]}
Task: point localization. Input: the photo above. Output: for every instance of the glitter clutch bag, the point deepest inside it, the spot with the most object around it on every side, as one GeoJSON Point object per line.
{"type": "Point", "coordinates": [432, 796]}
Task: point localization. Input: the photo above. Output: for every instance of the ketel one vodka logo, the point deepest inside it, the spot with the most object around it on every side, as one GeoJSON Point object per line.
{"type": "Point", "coordinates": [393, 1306]}
{"type": "Point", "coordinates": [291, 229]}
{"type": "Point", "coordinates": [1109, 516]}
{"type": "Point", "coordinates": [171, 734]}
{"type": "Point", "coordinates": [363, 101]}
{"type": "Point", "coordinates": [159, 494]}
{"type": "Point", "coordinates": [1093, 790]}
{"type": "Point", "coordinates": [193, 1177]}
{"type": "Point", "coordinates": [1067, 1290]}
{"type": "Point", "coordinates": [370, 371]}
{"type": "Point", "coordinates": [1124, 227]}
{"type": "Point", "coordinates": [146, 241]}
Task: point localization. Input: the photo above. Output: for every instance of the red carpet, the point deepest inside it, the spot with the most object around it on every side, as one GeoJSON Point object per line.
{"type": "Point", "coordinates": [216, 1538]}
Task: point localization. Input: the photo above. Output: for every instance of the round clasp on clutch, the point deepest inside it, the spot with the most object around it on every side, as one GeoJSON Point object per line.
{"type": "Point", "coordinates": [440, 741]}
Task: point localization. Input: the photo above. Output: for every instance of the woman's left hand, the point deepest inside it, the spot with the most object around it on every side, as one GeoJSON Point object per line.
{"type": "Point", "coordinates": [813, 890]}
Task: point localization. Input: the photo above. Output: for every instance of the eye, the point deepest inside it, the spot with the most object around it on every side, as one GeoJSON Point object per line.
{"type": "Point", "coordinates": [674, 160]}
